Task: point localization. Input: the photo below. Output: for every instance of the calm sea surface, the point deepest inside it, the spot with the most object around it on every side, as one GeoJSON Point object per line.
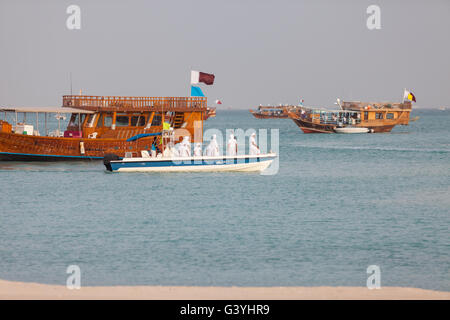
{"type": "Point", "coordinates": [338, 204]}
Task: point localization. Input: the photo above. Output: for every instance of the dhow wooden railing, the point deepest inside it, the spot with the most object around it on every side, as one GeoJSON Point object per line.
{"type": "Point", "coordinates": [118, 102]}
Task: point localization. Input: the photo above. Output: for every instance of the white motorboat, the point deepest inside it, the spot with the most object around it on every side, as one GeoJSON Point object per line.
{"type": "Point", "coordinates": [351, 130]}
{"type": "Point", "coordinates": [246, 163]}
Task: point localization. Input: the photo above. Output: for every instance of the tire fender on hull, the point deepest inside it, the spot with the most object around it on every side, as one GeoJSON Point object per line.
{"type": "Point", "coordinates": [108, 158]}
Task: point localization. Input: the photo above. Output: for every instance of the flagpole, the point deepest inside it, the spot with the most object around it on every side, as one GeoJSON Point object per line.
{"type": "Point", "coordinates": [190, 84]}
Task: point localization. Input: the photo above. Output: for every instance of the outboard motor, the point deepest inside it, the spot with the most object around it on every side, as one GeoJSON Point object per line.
{"type": "Point", "coordinates": [108, 158]}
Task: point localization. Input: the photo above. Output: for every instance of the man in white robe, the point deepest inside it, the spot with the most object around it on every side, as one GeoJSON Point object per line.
{"type": "Point", "coordinates": [254, 149]}
{"type": "Point", "coordinates": [213, 148]}
{"type": "Point", "coordinates": [170, 151]}
{"type": "Point", "coordinates": [185, 150]}
{"type": "Point", "coordinates": [198, 150]}
{"type": "Point", "coordinates": [179, 149]}
{"type": "Point", "coordinates": [232, 146]}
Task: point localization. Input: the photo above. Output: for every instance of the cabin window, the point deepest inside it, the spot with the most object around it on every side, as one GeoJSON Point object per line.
{"type": "Point", "coordinates": [105, 120]}
{"type": "Point", "coordinates": [378, 115]}
{"type": "Point", "coordinates": [138, 121]}
{"type": "Point", "coordinates": [100, 121]}
{"type": "Point", "coordinates": [91, 119]}
{"type": "Point", "coordinates": [366, 115]}
{"type": "Point", "coordinates": [122, 121]}
{"type": "Point", "coordinates": [390, 116]}
{"type": "Point", "coordinates": [74, 120]}
{"type": "Point", "coordinates": [156, 120]}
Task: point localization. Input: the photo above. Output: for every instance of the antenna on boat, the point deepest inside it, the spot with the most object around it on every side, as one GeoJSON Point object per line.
{"type": "Point", "coordinates": [70, 82]}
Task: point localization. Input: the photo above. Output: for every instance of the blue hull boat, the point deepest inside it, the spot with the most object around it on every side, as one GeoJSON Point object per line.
{"type": "Point", "coordinates": [245, 163]}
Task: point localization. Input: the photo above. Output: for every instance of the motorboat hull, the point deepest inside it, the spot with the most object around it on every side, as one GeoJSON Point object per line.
{"type": "Point", "coordinates": [192, 164]}
{"type": "Point", "coordinates": [351, 130]}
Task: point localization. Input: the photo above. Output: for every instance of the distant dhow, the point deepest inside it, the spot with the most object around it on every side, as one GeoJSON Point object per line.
{"type": "Point", "coordinates": [354, 116]}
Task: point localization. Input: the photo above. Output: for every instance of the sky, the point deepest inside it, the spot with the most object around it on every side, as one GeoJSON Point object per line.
{"type": "Point", "coordinates": [261, 52]}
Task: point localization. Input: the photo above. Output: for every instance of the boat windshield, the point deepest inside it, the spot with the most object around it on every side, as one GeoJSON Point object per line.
{"type": "Point", "coordinates": [76, 120]}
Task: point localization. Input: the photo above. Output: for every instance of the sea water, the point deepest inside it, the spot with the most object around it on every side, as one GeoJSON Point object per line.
{"type": "Point", "coordinates": [338, 204]}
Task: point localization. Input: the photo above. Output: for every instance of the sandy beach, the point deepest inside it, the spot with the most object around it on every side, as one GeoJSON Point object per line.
{"type": "Point", "coordinates": [19, 290]}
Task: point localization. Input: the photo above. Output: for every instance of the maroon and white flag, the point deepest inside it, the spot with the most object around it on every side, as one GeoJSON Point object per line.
{"type": "Point", "coordinates": [197, 77]}
{"type": "Point", "coordinates": [218, 102]}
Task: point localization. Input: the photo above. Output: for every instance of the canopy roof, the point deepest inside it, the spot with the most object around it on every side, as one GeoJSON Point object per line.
{"type": "Point", "coordinates": [44, 110]}
{"type": "Point", "coordinates": [323, 110]}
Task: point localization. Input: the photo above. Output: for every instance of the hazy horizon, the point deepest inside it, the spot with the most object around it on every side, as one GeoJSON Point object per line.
{"type": "Point", "coordinates": [261, 52]}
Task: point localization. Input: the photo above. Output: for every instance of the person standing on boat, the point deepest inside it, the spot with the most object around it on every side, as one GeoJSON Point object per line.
{"type": "Point", "coordinates": [184, 148]}
{"type": "Point", "coordinates": [169, 151]}
{"type": "Point", "coordinates": [198, 150]}
{"type": "Point", "coordinates": [155, 149]}
{"type": "Point", "coordinates": [303, 114]}
{"type": "Point", "coordinates": [187, 147]}
{"type": "Point", "coordinates": [232, 146]}
{"type": "Point", "coordinates": [334, 117]}
{"type": "Point", "coordinates": [213, 148]}
{"type": "Point", "coordinates": [254, 149]}
{"type": "Point", "coordinates": [178, 149]}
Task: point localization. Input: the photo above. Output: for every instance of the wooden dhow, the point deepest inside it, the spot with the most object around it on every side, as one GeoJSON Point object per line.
{"type": "Point", "coordinates": [268, 112]}
{"type": "Point", "coordinates": [373, 116]}
{"type": "Point", "coordinates": [99, 125]}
